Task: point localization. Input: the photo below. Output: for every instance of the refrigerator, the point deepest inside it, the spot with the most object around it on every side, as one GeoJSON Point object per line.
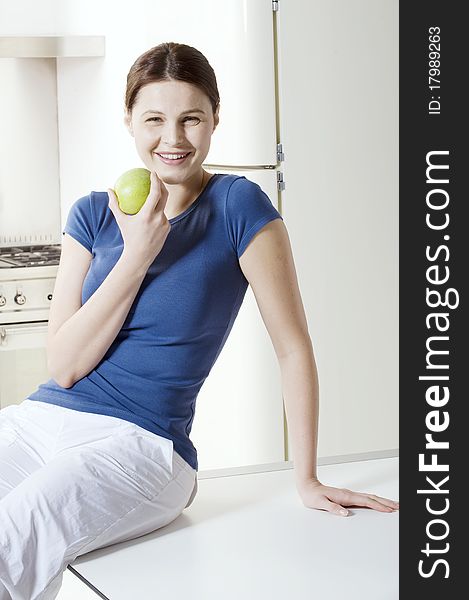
{"type": "Point", "coordinates": [240, 417]}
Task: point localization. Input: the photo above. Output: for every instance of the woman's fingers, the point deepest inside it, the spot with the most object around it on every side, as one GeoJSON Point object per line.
{"type": "Point", "coordinates": [386, 501]}
{"type": "Point", "coordinates": [153, 195]}
{"type": "Point", "coordinates": [157, 196]}
{"type": "Point", "coordinates": [371, 501]}
{"type": "Point", "coordinates": [113, 203]}
{"type": "Point", "coordinates": [336, 500]}
{"type": "Point", "coordinates": [333, 508]}
{"type": "Point", "coordinates": [376, 505]}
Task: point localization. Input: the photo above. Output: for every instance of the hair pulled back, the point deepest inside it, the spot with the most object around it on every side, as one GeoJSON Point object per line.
{"type": "Point", "coordinates": [171, 61]}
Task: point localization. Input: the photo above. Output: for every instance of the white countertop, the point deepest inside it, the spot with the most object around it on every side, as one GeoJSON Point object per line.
{"type": "Point", "coordinates": [249, 537]}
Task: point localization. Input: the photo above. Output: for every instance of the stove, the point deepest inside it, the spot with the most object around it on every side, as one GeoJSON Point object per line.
{"type": "Point", "coordinates": [27, 278]}
{"type": "Point", "coordinates": [29, 256]}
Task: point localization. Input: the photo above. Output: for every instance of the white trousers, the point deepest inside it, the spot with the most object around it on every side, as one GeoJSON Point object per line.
{"type": "Point", "coordinates": [71, 482]}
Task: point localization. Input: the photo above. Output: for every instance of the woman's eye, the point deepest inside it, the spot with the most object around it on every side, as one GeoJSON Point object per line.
{"type": "Point", "coordinates": [186, 119]}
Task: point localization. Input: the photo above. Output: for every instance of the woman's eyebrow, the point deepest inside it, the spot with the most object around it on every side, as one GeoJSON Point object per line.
{"type": "Point", "coordinates": [191, 110]}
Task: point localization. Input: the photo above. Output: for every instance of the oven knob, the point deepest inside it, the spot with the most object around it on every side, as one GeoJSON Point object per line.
{"type": "Point", "coordinates": [20, 298]}
{"type": "Point", "coordinates": [3, 301]}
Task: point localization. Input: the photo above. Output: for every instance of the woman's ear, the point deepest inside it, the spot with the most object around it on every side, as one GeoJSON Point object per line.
{"type": "Point", "coordinates": [128, 122]}
{"type": "Point", "coordinates": [216, 118]}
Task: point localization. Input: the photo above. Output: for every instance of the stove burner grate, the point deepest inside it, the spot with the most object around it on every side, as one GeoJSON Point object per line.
{"type": "Point", "coordinates": [29, 256]}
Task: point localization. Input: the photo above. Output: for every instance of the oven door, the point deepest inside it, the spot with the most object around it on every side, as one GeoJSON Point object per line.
{"type": "Point", "coordinates": [23, 362]}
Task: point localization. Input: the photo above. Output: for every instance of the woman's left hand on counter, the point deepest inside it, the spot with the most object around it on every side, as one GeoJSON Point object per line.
{"type": "Point", "coordinates": [336, 500]}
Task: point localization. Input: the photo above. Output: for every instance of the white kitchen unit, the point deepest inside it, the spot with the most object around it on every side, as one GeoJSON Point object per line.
{"type": "Point", "coordinates": [30, 229]}
{"type": "Point", "coordinates": [249, 536]}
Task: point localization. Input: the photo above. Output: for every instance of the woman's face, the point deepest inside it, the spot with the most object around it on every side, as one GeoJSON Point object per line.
{"type": "Point", "coordinates": [172, 117]}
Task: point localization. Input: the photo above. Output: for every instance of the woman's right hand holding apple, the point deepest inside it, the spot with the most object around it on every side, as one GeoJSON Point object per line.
{"type": "Point", "coordinates": [144, 233]}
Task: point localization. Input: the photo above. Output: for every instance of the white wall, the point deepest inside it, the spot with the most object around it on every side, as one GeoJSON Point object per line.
{"type": "Point", "coordinates": [339, 109]}
{"type": "Point", "coordinates": [28, 17]}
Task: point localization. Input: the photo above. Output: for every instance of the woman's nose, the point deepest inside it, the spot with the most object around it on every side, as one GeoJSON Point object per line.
{"type": "Point", "coordinates": [173, 134]}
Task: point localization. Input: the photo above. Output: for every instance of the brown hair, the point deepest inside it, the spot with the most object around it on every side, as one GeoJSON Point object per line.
{"type": "Point", "coordinates": [171, 61]}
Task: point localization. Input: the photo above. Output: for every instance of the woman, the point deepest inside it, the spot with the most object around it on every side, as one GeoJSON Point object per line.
{"type": "Point", "coordinates": [142, 307]}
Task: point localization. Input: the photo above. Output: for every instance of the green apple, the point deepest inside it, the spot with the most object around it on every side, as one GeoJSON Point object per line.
{"type": "Point", "coordinates": [132, 189]}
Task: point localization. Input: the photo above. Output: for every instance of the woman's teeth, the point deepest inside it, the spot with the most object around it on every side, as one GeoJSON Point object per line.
{"type": "Point", "coordinates": [173, 156]}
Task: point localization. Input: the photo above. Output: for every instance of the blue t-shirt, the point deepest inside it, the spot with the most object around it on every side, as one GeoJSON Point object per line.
{"type": "Point", "coordinates": [183, 312]}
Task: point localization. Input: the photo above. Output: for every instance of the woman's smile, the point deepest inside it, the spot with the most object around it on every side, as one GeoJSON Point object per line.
{"type": "Point", "coordinates": [173, 159]}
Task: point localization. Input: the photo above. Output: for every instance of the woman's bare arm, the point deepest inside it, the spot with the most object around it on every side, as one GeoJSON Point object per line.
{"type": "Point", "coordinates": [79, 336]}
{"type": "Point", "coordinates": [268, 265]}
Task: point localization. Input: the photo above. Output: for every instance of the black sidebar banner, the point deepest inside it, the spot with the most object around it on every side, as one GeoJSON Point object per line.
{"type": "Point", "coordinates": [434, 357]}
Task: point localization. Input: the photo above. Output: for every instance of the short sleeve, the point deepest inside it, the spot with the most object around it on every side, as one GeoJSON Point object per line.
{"type": "Point", "coordinates": [248, 209]}
{"type": "Point", "coordinates": [80, 222]}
